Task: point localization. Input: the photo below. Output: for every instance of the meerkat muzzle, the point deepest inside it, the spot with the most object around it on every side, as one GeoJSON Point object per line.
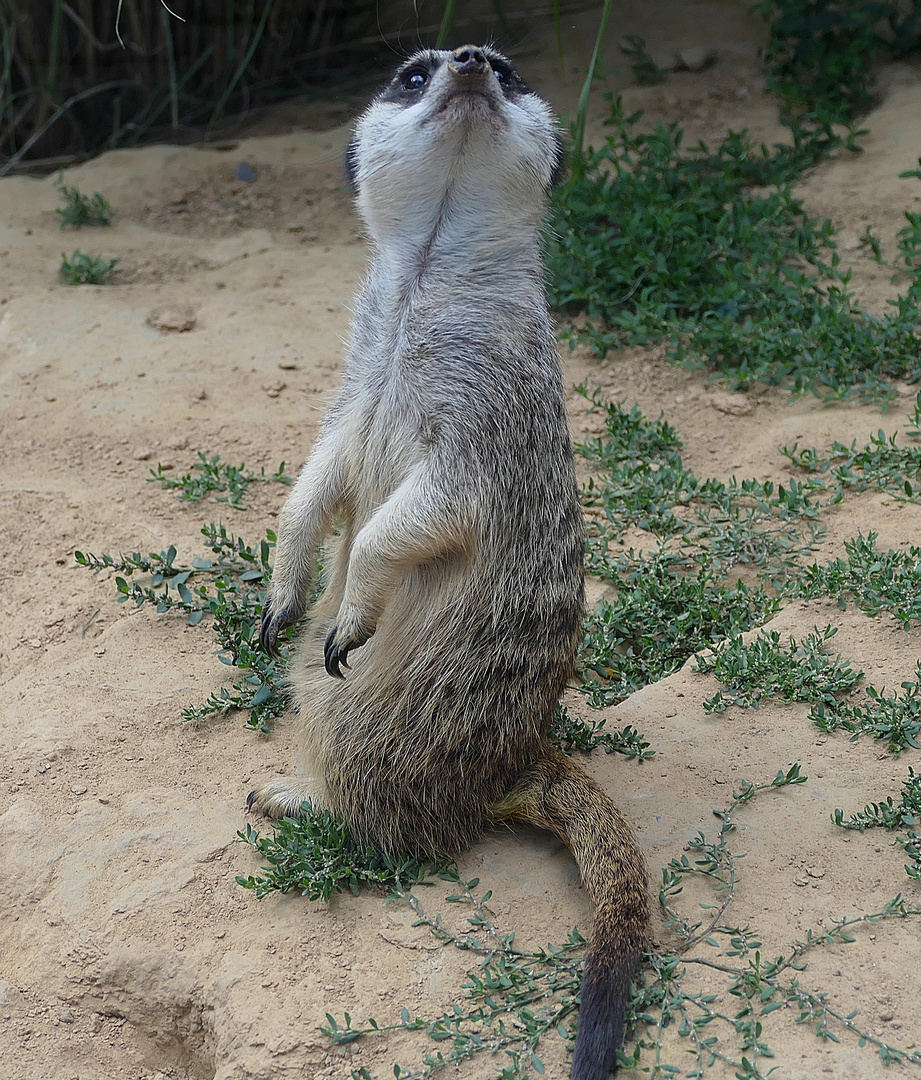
{"type": "Point", "coordinates": [469, 60]}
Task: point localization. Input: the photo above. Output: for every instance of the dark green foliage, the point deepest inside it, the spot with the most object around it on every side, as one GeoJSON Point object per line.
{"type": "Point", "coordinates": [315, 854]}
{"type": "Point", "coordinates": [215, 475]}
{"type": "Point", "coordinates": [797, 671]}
{"type": "Point", "coordinates": [821, 53]}
{"type": "Point", "coordinates": [83, 269]}
{"type": "Point", "coordinates": [662, 614]}
{"type": "Point", "coordinates": [679, 597]}
{"type": "Point", "coordinates": [882, 465]}
{"type": "Point", "coordinates": [803, 671]}
{"type": "Point", "coordinates": [571, 733]}
{"type": "Point", "coordinates": [79, 210]}
{"type": "Point", "coordinates": [874, 580]}
{"type": "Point", "coordinates": [710, 251]}
{"type": "Point", "coordinates": [641, 480]}
{"type": "Point", "coordinates": [896, 718]}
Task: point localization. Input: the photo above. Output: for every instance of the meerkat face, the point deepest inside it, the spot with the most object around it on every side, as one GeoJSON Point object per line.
{"type": "Point", "coordinates": [452, 130]}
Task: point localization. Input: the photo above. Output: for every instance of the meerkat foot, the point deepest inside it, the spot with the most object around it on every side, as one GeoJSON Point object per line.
{"type": "Point", "coordinates": [285, 796]}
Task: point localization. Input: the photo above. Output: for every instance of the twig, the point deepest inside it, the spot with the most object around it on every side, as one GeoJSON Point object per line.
{"type": "Point", "coordinates": [118, 15]}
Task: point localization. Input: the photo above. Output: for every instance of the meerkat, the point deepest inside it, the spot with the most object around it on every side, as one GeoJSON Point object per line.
{"type": "Point", "coordinates": [454, 589]}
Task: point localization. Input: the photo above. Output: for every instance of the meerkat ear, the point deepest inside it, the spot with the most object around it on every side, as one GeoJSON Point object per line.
{"type": "Point", "coordinates": [351, 164]}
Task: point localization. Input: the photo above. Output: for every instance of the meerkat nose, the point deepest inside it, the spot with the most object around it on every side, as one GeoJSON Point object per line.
{"type": "Point", "coordinates": [469, 60]}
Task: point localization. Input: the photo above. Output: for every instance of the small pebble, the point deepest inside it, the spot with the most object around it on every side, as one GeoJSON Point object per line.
{"type": "Point", "coordinates": [696, 58]}
{"type": "Point", "coordinates": [173, 318]}
{"type": "Point", "coordinates": [245, 172]}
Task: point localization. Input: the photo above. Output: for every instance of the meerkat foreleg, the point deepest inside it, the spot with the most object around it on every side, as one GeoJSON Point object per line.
{"type": "Point", "coordinates": [419, 521]}
{"type": "Point", "coordinates": [306, 518]}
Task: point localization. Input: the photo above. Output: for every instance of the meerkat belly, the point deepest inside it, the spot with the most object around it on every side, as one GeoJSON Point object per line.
{"type": "Point", "coordinates": [441, 709]}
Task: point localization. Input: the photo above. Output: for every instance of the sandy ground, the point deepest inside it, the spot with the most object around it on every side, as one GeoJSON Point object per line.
{"type": "Point", "coordinates": [127, 951]}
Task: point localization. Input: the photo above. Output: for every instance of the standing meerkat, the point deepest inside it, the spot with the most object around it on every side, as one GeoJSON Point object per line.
{"type": "Point", "coordinates": [458, 569]}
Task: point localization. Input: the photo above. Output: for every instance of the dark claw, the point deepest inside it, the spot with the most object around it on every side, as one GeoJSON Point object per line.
{"type": "Point", "coordinates": [273, 624]}
{"type": "Point", "coordinates": [251, 800]}
{"type": "Point", "coordinates": [268, 632]}
{"type": "Point", "coordinates": [334, 655]}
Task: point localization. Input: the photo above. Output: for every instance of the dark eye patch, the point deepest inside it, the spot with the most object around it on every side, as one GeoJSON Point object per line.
{"type": "Point", "coordinates": [414, 79]}
{"type": "Point", "coordinates": [408, 82]}
{"type": "Point", "coordinates": [502, 72]}
{"type": "Point", "coordinates": [506, 74]}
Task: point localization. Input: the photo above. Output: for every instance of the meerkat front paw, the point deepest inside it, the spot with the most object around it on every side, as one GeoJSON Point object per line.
{"type": "Point", "coordinates": [350, 632]}
{"type": "Point", "coordinates": [285, 796]}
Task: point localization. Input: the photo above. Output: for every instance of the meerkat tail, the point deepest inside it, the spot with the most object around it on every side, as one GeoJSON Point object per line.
{"type": "Point", "coordinates": [555, 794]}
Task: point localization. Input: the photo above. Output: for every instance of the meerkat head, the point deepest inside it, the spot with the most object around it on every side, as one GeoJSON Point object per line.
{"type": "Point", "coordinates": [453, 134]}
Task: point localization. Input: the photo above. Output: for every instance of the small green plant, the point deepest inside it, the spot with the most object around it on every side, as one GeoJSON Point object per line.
{"type": "Point", "coordinates": [79, 210]}
{"type": "Point", "coordinates": [230, 588]}
{"type": "Point", "coordinates": [316, 855]}
{"type": "Point", "coordinates": [896, 718]}
{"type": "Point", "coordinates": [214, 476]}
{"type": "Point", "coordinates": [678, 597]}
{"type": "Point", "coordinates": [881, 465]}
{"type": "Point", "coordinates": [640, 479]}
{"type": "Point", "coordinates": [804, 672]}
{"type": "Point", "coordinates": [83, 269]}
{"type": "Point", "coordinates": [571, 733]}
{"type": "Point", "coordinates": [662, 614]}
{"type": "Point", "coordinates": [890, 815]}
{"type": "Point", "coordinates": [873, 580]}
{"type": "Point", "coordinates": [645, 70]}
{"type": "Point", "coordinates": [797, 671]}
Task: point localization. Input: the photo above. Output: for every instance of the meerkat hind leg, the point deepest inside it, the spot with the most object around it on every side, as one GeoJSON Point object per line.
{"type": "Point", "coordinates": [285, 795]}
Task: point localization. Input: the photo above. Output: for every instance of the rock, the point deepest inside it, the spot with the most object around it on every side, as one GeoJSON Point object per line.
{"type": "Point", "coordinates": [64, 1014]}
{"type": "Point", "coordinates": [696, 58]}
{"type": "Point", "coordinates": [173, 318]}
{"type": "Point", "coordinates": [245, 172]}
{"type": "Point", "coordinates": [732, 404]}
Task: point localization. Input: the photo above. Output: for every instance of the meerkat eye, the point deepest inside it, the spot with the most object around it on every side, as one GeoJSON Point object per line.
{"type": "Point", "coordinates": [502, 73]}
{"type": "Point", "coordinates": [414, 79]}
